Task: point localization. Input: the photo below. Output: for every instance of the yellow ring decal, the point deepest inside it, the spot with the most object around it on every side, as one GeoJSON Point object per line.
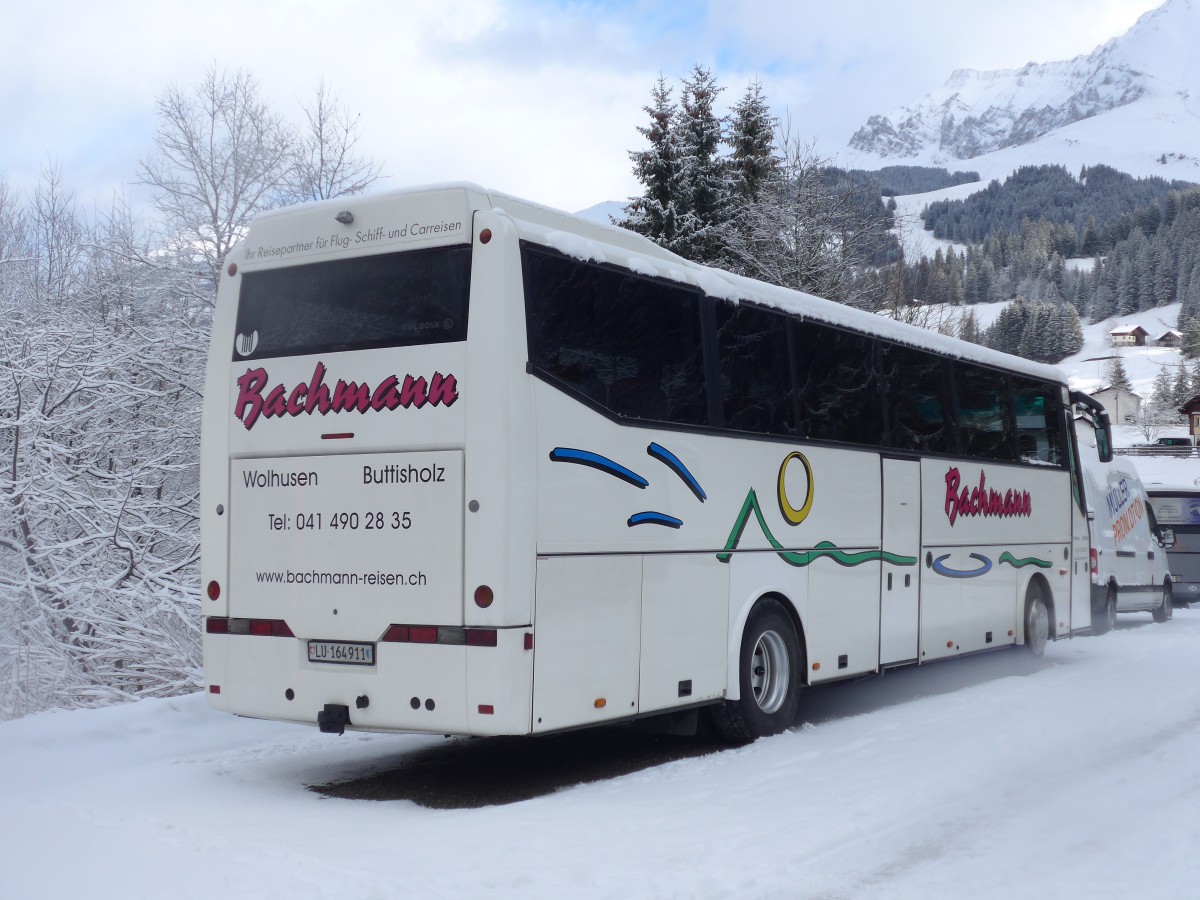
{"type": "Point", "coordinates": [793, 515]}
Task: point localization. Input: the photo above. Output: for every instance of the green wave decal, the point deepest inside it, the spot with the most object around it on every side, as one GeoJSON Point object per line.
{"type": "Point", "coordinates": [805, 557]}
{"type": "Point", "coordinates": [1007, 557]}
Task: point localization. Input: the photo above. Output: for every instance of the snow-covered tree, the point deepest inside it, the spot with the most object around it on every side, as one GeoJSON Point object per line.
{"type": "Point", "coordinates": [101, 376]}
{"type": "Point", "coordinates": [1117, 376]}
{"type": "Point", "coordinates": [324, 161]}
{"type": "Point", "coordinates": [220, 156]}
{"type": "Point", "coordinates": [707, 205]}
{"type": "Point", "coordinates": [1191, 338]}
{"type": "Point", "coordinates": [655, 214]}
{"type": "Point", "coordinates": [753, 162]}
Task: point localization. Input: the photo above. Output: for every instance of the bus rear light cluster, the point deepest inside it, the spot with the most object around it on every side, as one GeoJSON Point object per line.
{"type": "Point", "coordinates": [440, 634]}
{"type": "Point", "coordinates": [258, 627]}
{"type": "Point", "coordinates": [1095, 560]}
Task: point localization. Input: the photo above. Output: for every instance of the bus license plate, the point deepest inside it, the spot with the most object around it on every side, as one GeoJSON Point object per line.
{"type": "Point", "coordinates": [343, 652]}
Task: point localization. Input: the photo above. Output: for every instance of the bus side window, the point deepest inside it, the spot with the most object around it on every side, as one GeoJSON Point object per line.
{"type": "Point", "coordinates": [630, 343]}
{"type": "Point", "coordinates": [984, 421]}
{"type": "Point", "coordinates": [918, 405]}
{"type": "Point", "coordinates": [1036, 413]}
{"type": "Point", "coordinates": [755, 365]}
{"type": "Point", "coordinates": [838, 385]}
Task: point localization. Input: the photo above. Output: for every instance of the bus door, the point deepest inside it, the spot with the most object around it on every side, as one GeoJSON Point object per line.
{"type": "Point", "coordinates": [899, 603]}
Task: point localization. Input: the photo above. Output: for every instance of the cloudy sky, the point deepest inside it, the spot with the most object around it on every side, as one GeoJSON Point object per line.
{"type": "Point", "coordinates": [538, 98]}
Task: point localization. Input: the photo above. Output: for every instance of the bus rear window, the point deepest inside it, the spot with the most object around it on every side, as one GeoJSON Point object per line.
{"type": "Point", "coordinates": [391, 300]}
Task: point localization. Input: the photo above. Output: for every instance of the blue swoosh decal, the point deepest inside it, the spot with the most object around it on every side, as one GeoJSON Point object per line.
{"type": "Point", "coordinates": [654, 518]}
{"type": "Point", "coordinates": [941, 569]}
{"type": "Point", "coordinates": [662, 454]}
{"type": "Point", "coordinates": [596, 461]}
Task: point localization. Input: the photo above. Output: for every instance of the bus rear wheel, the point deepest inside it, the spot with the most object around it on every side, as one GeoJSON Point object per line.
{"type": "Point", "coordinates": [769, 674]}
{"type": "Point", "coordinates": [1037, 621]}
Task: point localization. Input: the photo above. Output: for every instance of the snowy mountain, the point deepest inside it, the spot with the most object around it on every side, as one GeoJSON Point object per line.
{"type": "Point", "coordinates": [1133, 103]}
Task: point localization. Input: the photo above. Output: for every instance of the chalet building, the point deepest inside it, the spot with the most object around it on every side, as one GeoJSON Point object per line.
{"type": "Point", "coordinates": [1129, 336]}
{"type": "Point", "coordinates": [1191, 409]}
{"type": "Point", "coordinates": [1171, 338]}
{"type": "Point", "coordinates": [1121, 405]}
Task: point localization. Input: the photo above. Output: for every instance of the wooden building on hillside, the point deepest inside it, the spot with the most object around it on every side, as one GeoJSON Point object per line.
{"type": "Point", "coordinates": [1129, 336]}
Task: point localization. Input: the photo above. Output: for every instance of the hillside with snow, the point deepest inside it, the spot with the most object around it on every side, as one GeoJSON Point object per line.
{"type": "Point", "coordinates": [1132, 103]}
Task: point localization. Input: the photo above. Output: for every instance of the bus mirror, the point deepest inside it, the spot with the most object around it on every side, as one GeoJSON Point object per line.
{"type": "Point", "coordinates": [1166, 538]}
{"type": "Point", "coordinates": [1104, 438]}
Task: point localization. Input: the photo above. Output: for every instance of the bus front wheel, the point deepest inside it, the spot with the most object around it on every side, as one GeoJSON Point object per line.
{"type": "Point", "coordinates": [769, 673]}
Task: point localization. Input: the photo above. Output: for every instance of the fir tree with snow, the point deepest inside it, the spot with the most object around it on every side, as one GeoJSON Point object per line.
{"type": "Point", "coordinates": [1117, 376]}
{"type": "Point", "coordinates": [655, 214]}
{"type": "Point", "coordinates": [753, 162]}
{"type": "Point", "coordinates": [706, 204]}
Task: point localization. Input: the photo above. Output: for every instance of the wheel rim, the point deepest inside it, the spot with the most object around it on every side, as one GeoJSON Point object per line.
{"type": "Point", "coordinates": [1039, 625]}
{"type": "Point", "coordinates": [769, 672]}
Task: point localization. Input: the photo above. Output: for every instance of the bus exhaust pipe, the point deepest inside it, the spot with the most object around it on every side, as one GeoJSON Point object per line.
{"type": "Point", "coordinates": [333, 719]}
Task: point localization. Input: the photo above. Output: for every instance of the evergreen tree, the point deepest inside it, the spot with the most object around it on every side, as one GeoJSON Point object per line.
{"type": "Point", "coordinates": [1189, 295]}
{"type": "Point", "coordinates": [707, 205]}
{"type": "Point", "coordinates": [1164, 394]}
{"type": "Point", "coordinates": [1090, 245]}
{"type": "Point", "coordinates": [753, 161]}
{"type": "Point", "coordinates": [968, 328]}
{"type": "Point", "coordinates": [1033, 337]}
{"type": "Point", "coordinates": [1068, 331]}
{"type": "Point", "coordinates": [1117, 376]}
{"type": "Point", "coordinates": [1127, 301]}
{"type": "Point", "coordinates": [1191, 338]}
{"type": "Point", "coordinates": [1181, 390]}
{"type": "Point", "coordinates": [655, 214]}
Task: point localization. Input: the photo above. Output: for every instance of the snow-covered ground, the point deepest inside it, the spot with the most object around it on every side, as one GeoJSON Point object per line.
{"type": "Point", "coordinates": [987, 777]}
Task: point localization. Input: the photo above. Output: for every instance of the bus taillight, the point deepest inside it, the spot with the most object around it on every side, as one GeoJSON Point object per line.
{"type": "Point", "coordinates": [214, 590]}
{"type": "Point", "coordinates": [1095, 560]}
{"type": "Point", "coordinates": [258, 627]}
{"type": "Point", "coordinates": [484, 596]}
{"type": "Point", "coordinates": [270, 628]}
{"type": "Point", "coordinates": [432, 634]}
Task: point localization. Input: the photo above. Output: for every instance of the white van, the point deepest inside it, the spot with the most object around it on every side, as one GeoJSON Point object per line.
{"type": "Point", "coordinates": [1129, 560]}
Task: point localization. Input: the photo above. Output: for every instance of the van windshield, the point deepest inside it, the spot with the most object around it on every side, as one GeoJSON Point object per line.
{"type": "Point", "coordinates": [390, 300]}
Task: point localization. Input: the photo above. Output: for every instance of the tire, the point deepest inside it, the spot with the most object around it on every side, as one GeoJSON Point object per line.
{"type": "Point", "coordinates": [770, 664]}
{"type": "Point", "coordinates": [1108, 615]}
{"type": "Point", "coordinates": [1037, 622]}
{"type": "Point", "coordinates": [1166, 609]}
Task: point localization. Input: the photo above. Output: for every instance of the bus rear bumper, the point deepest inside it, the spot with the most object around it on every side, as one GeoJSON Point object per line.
{"type": "Point", "coordinates": [422, 688]}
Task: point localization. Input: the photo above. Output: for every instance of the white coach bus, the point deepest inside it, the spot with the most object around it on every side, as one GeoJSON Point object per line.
{"type": "Point", "coordinates": [474, 466]}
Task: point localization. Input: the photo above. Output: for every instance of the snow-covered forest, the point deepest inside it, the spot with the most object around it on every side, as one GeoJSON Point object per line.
{"type": "Point", "coordinates": [742, 193]}
{"type": "Point", "coordinates": [106, 320]}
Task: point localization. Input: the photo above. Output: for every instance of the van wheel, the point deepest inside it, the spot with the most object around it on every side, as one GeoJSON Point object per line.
{"type": "Point", "coordinates": [1166, 609]}
{"type": "Point", "coordinates": [1108, 615]}
{"type": "Point", "coordinates": [769, 670]}
{"type": "Point", "coordinates": [1037, 621]}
